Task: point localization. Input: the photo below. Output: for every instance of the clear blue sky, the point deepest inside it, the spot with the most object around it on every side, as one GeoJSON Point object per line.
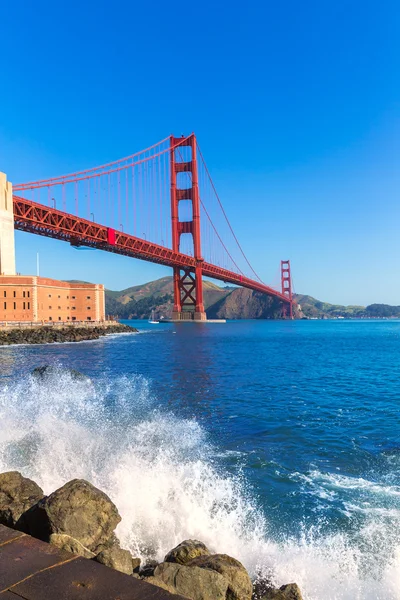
{"type": "Point", "coordinates": [296, 106]}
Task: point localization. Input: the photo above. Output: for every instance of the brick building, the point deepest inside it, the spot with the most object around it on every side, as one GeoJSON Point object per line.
{"type": "Point", "coordinates": [38, 299]}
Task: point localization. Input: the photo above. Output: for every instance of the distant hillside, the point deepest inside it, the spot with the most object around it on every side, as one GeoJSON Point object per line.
{"type": "Point", "coordinates": [312, 308]}
{"type": "Point", "coordinates": [242, 303]}
{"type": "Point", "coordinates": [315, 308]}
{"type": "Point", "coordinates": [138, 301]}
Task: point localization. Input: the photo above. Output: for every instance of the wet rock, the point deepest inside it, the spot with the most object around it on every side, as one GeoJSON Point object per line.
{"type": "Point", "coordinates": [290, 591]}
{"type": "Point", "coordinates": [136, 564]}
{"type": "Point", "coordinates": [148, 569]}
{"type": "Point", "coordinates": [70, 544]}
{"type": "Point", "coordinates": [17, 494]}
{"type": "Point", "coordinates": [48, 371]}
{"type": "Point", "coordinates": [193, 582]}
{"type": "Point", "coordinates": [240, 585]}
{"type": "Point", "coordinates": [118, 559]}
{"type": "Point", "coordinates": [77, 509]}
{"type": "Point", "coordinates": [261, 586]}
{"type": "Point", "coordinates": [187, 551]}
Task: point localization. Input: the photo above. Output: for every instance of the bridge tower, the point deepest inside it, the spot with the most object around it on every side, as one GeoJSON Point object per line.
{"type": "Point", "coordinates": [7, 244]}
{"type": "Point", "coordinates": [286, 282]}
{"type": "Point", "coordinates": [188, 286]}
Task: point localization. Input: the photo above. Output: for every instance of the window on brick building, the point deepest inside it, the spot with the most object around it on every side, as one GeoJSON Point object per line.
{"type": "Point", "coordinates": [59, 318]}
{"type": "Point", "coordinates": [29, 294]}
{"type": "Point", "coordinates": [89, 318]}
{"type": "Point", "coordinates": [73, 297]}
{"type": "Point", "coordinates": [67, 297]}
{"type": "Point", "coordinates": [59, 296]}
{"type": "Point", "coordinates": [59, 308]}
{"type": "Point", "coordinates": [23, 293]}
{"type": "Point", "coordinates": [15, 294]}
{"type": "Point", "coordinates": [50, 318]}
{"type": "Point", "coordinates": [49, 295]}
{"type": "Point", "coordinates": [74, 318]}
{"type": "Point", "coordinates": [5, 305]}
{"type": "Point", "coordinates": [87, 297]}
{"type": "Point", "coordinates": [29, 305]}
{"type": "Point", "coordinates": [73, 307]}
{"type": "Point", "coordinates": [88, 307]}
{"type": "Point", "coordinates": [24, 305]}
{"type": "Point", "coordinates": [15, 305]}
{"type": "Point", "coordinates": [49, 307]}
{"type": "Point", "coordinates": [5, 294]}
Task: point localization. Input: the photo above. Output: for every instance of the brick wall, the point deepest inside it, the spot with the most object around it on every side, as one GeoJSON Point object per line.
{"type": "Point", "coordinates": [25, 298]}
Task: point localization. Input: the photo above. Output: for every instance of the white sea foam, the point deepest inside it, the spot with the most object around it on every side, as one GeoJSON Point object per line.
{"type": "Point", "coordinates": [165, 478]}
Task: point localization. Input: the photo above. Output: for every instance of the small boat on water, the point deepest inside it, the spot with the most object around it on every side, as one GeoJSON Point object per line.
{"type": "Point", "coordinates": [152, 319]}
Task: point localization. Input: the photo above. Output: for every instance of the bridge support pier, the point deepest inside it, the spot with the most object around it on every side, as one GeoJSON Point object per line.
{"type": "Point", "coordinates": [286, 282]}
{"type": "Point", "coordinates": [188, 286]}
{"type": "Point", "coordinates": [7, 243]}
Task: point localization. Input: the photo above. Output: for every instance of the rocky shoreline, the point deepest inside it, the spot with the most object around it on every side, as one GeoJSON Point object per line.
{"type": "Point", "coordinates": [49, 335]}
{"type": "Point", "coordinates": [81, 519]}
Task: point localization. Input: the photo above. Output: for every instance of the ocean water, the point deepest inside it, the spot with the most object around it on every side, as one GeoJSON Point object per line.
{"type": "Point", "coordinates": [275, 442]}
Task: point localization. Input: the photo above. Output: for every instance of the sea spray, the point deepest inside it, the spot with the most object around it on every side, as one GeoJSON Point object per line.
{"type": "Point", "coordinates": [168, 483]}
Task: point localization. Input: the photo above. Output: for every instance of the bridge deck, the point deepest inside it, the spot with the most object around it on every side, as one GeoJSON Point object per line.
{"type": "Point", "coordinates": [43, 220]}
{"type": "Point", "coordinates": [33, 570]}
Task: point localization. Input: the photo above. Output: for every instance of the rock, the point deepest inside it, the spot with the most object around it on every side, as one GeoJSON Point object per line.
{"type": "Point", "coordinates": [70, 544]}
{"type": "Point", "coordinates": [160, 583]}
{"type": "Point", "coordinates": [148, 569]}
{"type": "Point", "coordinates": [117, 558]}
{"type": "Point", "coordinates": [17, 494]}
{"type": "Point", "coordinates": [136, 565]}
{"type": "Point", "coordinates": [290, 591]}
{"type": "Point", "coordinates": [49, 371]}
{"type": "Point", "coordinates": [47, 335]}
{"type": "Point", "coordinates": [78, 509]}
{"type": "Point", "coordinates": [187, 551]}
{"type": "Point", "coordinates": [261, 586]}
{"type": "Point", "coordinates": [240, 586]}
{"type": "Point", "coordinates": [193, 582]}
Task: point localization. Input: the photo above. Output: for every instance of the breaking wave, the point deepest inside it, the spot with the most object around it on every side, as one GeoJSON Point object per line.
{"type": "Point", "coordinates": [167, 481]}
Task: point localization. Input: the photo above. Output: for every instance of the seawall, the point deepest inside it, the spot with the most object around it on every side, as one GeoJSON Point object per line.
{"type": "Point", "coordinates": [34, 333]}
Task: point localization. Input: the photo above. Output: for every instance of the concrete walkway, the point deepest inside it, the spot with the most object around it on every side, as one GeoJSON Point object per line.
{"type": "Point", "coordinates": [33, 570]}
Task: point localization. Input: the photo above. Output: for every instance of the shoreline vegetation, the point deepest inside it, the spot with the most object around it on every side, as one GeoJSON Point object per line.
{"type": "Point", "coordinates": [45, 334]}
{"type": "Point", "coordinates": [81, 519]}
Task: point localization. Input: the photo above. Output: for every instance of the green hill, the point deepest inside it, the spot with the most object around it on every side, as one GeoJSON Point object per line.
{"type": "Point", "coordinates": [138, 301]}
{"type": "Point", "coordinates": [312, 308]}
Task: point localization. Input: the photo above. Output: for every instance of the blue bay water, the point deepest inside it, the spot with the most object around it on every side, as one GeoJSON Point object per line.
{"type": "Point", "coordinates": [276, 442]}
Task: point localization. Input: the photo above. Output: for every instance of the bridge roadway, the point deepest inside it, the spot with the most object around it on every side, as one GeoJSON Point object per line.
{"type": "Point", "coordinates": [36, 218]}
{"type": "Point", "coordinates": [33, 570]}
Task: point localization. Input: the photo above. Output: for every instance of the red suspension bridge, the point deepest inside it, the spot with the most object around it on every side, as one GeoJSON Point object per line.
{"type": "Point", "coordinates": [158, 205]}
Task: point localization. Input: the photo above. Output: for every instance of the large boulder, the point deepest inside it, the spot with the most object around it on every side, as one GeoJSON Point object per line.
{"type": "Point", "coordinates": [77, 509]}
{"type": "Point", "coordinates": [160, 583]}
{"type": "Point", "coordinates": [47, 371]}
{"type": "Point", "coordinates": [290, 591]}
{"type": "Point", "coordinates": [187, 551]}
{"type": "Point", "coordinates": [119, 559]}
{"type": "Point", "coordinates": [17, 494]}
{"type": "Point", "coordinates": [191, 582]}
{"type": "Point", "coordinates": [70, 544]}
{"type": "Point", "coordinates": [240, 586]}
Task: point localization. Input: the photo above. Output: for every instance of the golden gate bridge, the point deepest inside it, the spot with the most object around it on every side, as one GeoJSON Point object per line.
{"type": "Point", "coordinates": [159, 205]}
